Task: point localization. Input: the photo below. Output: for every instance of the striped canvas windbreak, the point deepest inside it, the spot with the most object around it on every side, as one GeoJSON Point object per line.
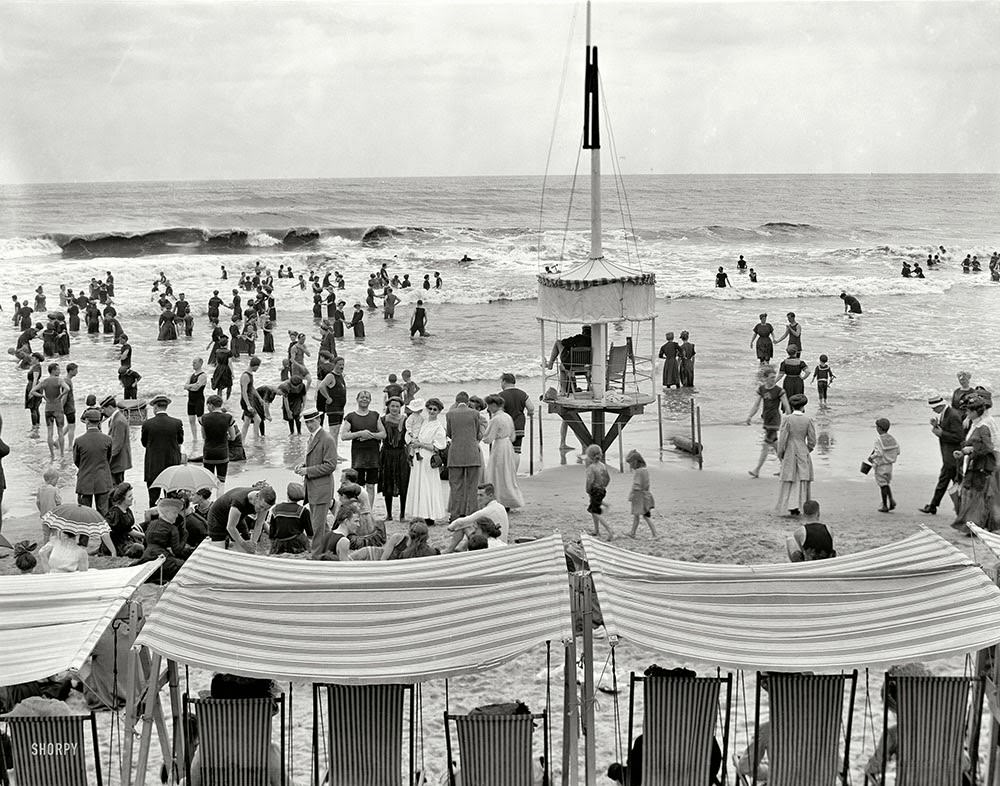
{"type": "Point", "coordinates": [495, 750]}
{"type": "Point", "coordinates": [51, 750]}
{"type": "Point", "coordinates": [679, 715]}
{"type": "Point", "coordinates": [917, 600]}
{"type": "Point", "coordinates": [51, 622]}
{"type": "Point", "coordinates": [399, 621]}
{"type": "Point", "coordinates": [234, 741]}
{"type": "Point", "coordinates": [364, 734]}
{"type": "Point", "coordinates": [805, 717]}
{"type": "Point", "coordinates": [931, 729]}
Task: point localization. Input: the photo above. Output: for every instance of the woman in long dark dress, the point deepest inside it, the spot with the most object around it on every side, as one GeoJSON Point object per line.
{"type": "Point", "coordinates": [331, 304]}
{"type": "Point", "coordinates": [268, 331]}
{"type": "Point", "coordinates": [687, 361]}
{"type": "Point", "coordinates": [394, 462]}
{"type": "Point", "coordinates": [671, 368]}
{"type": "Point", "coordinates": [93, 315]}
{"type": "Point", "coordinates": [762, 336]}
{"type": "Point", "coordinates": [791, 372]}
{"type": "Point", "coordinates": [168, 326]}
{"type": "Point", "coordinates": [222, 377]}
{"type": "Point", "coordinates": [317, 306]}
{"type": "Point", "coordinates": [218, 335]}
{"type": "Point", "coordinates": [74, 317]}
{"type": "Point", "coordinates": [338, 320]}
{"type": "Point", "coordinates": [235, 338]}
{"type": "Point", "coordinates": [978, 499]}
{"type": "Point", "coordinates": [358, 321]}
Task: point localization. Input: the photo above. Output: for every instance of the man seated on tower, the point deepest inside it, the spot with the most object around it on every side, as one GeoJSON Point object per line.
{"type": "Point", "coordinates": [574, 356]}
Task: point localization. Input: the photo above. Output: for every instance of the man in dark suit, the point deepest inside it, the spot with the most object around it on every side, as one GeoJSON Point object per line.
{"type": "Point", "coordinates": [464, 428]}
{"type": "Point", "coordinates": [947, 427]}
{"type": "Point", "coordinates": [92, 456]}
{"type": "Point", "coordinates": [162, 437]}
{"type": "Point", "coordinates": [121, 439]}
{"type": "Point", "coordinates": [317, 470]}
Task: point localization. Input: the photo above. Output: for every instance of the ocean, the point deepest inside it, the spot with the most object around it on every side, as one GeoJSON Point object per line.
{"type": "Point", "coordinates": [809, 237]}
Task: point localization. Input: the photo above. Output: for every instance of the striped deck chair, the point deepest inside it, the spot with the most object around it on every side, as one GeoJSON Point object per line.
{"type": "Point", "coordinates": [807, 712]}
{"type": "Point", "coordinates": [930, 729]}
{"type": "Point", "coordinates": [363, 734]}
{"type": "Point", "coordinates": [495, 750]}
{"type": "Point", "coordinates": [679, 716]}
{"type": "Point", "coordinates": [234, 740]}
{"type": "Point", "coordinates": [51, 750]}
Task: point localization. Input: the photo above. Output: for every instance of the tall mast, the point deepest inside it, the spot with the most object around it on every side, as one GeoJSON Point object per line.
{"type": "Point", "coordinates": [592, 142]}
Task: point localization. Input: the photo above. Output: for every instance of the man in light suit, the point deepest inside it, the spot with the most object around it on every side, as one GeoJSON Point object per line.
{"type": "Point", "coordinates": [464, 429]}
{"type": "Point", "coordinates": [121, 439]}
{"type": "Point", "coordinates": [162, 437]}
{"type": "Point", "coordinates": [92, 456]}
{"type": "Point", "coordinates": [318, 469]}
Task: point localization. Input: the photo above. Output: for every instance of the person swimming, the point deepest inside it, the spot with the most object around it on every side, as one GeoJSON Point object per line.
{"type": "Point", "coordinates": [918, 271]}
{"type": "Point", "coordinates": [753, 276]}
{"type": "Point", "coordinates": [465, 258]}
{"type": "Point", "coordinates": [722, 278]}
{"type": "Point", "coordinates": [741, 264]}
{"type": "Point", "coordinates": [906, 272]}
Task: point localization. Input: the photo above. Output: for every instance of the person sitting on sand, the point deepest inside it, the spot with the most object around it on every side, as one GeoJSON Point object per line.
{"type": "Point", "coordinates": [230, 686]}
{"type": "Point", "coordinates": [873, 768]}
{"type": "Point", "coordinates": [631, 773]}
{"type": "Point", "coordinates": [813, 540]}
{"type": "Point", "coordinates": [335, 545]}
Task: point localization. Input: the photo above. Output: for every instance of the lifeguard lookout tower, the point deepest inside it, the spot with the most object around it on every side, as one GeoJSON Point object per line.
{"type": "Point", "coordinates": [594, 319]}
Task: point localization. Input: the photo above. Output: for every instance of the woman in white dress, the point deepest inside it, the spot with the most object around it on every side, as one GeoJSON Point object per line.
{"type": "Point", "coordinates": [501, 469]}
{"type": "Point", "coordinates": [424, 495]}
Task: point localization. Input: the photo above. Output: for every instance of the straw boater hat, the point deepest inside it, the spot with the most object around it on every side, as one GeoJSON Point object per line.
{"type": "Point", "coordinates": [935, 401]}
{"type": "Point", "coordinates": [108, 401]}
{"type": "Point", "coordinates": [312, 414]}
{"type": "Point", "coordinates": [415, 405]}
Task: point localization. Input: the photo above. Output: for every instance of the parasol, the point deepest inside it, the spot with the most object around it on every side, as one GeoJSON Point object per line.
{"type": "Point", "coordinates": [184, 477]}
{"type": "Point", "coordinates": [77, 519]}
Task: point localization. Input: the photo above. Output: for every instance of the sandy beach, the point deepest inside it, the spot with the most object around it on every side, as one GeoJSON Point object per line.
{"type": "Point", "coordinates": [713, 515]}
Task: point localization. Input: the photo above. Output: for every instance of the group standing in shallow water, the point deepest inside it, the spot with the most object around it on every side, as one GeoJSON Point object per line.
{"type": "Point", "coordinates": [678, 362]}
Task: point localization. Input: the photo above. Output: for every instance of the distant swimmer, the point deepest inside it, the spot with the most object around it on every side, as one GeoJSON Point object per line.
{"type": "Point", "coordinates": [722, 278]}
{"type": "Point", "coordinates": [967, 263]}
{"type": "Point", "coordinates": [976, 268]}
{"type": "Point", "coordinates": [906, 272]}
{"type": "Point", "coordinates": [753, 276]}
{"type": "Point", "coordinates": [741, 264]}
{"type": "Point", "coordinates": [438, 281]}
{"type": "Point", "coordinates": [851, 304]}
{"type": "Point", "coordinates": [465, 258]}
{"type": "Point", "coordinates": [225, 275]}
{"type": "Point", "coordinates": [918, 271]}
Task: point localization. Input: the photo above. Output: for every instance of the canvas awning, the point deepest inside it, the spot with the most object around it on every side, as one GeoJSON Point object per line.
{"type": "Point", "coordinates": [51, 622]}
{"type": "Point", "coordinates": [361, 622]}
{"type": "Point", "coordinates": [597, 291]}
{"type": "Point", "coordinates": [915, 600]}
{"type": "Point", "coordinates": [989, 539]}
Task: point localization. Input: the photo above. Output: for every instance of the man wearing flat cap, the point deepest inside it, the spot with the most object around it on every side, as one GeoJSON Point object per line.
{"type": "Point", "coordinates": [946, 425]}
{"type": "Point", "coordinates": [317, 470]}
{"type": "Point", "coordinates": [121, 439]}
{"type": "Point", "coordinates": [92, 456]}
{"type": "Point", "coordinates": [162, 437]}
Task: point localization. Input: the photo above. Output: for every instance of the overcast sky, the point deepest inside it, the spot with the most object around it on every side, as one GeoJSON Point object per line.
{"type": "Point", "coordinates": [160, 91]}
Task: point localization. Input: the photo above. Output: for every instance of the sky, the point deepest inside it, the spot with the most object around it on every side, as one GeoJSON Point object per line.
{"type": "Point", "coordinates": [243, 90]}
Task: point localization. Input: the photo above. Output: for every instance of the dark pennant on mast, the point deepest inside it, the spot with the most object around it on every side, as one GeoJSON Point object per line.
{"type": "Point", "coordinates": [591, 118]}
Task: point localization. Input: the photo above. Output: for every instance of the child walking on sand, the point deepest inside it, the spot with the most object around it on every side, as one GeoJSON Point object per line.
{"type": "Point", "coordinates": [639, 497]}
{"type": "Point", "coordinates": [883, 456]}
{"type": "Point", "coordinates": [824, 377]}
{"type": "Point", "coordinates": [597, 488]}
